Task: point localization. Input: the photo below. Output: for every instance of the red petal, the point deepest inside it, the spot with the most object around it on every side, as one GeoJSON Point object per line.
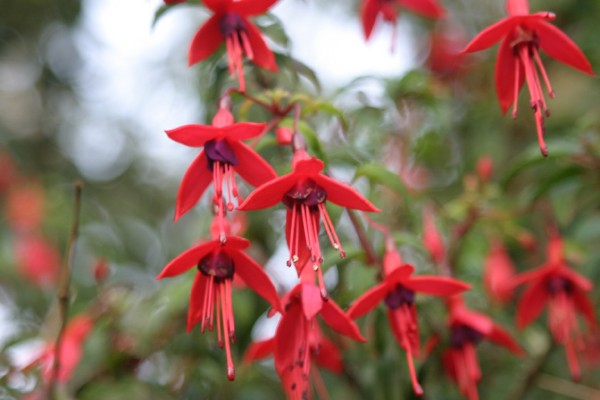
{"type": "Point", "coordinates": [193, 135]}
{"type": "Point", "coordinates": [289, 338]}
{"type": "Point", "coordinates": [344, 195]}
{"type": "Point", "coordinates": [491, 35]}
{"type": "Point", "coordinates": [531, 304]}
{"type": "Point", "coordinates": [252, 7]}
{"type": "Point", "coordinates": [339, 321]}
{"type": "Point", "coordinates": [255, 277]}
{"type": "Point", "coordinates": [391, 261]}
{"type": "Point", "coordinates": [263, 56]}
{"type": "Point", "coordinates": [329, 356]}
{"type": "Point", "coordinates": [196, 301]}
{"type": "Point", "coordinates": [505, 74]}
{"type": "Point", "coordinates": [206, 41]}
{"type": "Point", "coordinates": [260, 350]}
{"type": "Point", "coordinates": [312, 303]}
{"type": "Point", "coordinates": [480, 322]}
{"type": "Point", "coordinates": [536, 274]}
{"type": "Point", "coordinates": [426, 8]}
{"type": "Point", "coordinates": [368, 301]}
{"type": "Point", "coordinates": [269, 194]}
{"type": "Point", "coordinates": [578, 280]}
{"type": "Point", "coordinates": [217, 6]}
{"type": "Point", "coordinates": [503, 338]}
{"type": "Point", "coordinates": [560, 47]}
{"type": "Point", "coordinates": [252, 167]}
{"type": "Point", "coordinates": [194, 183]}
{"type": "Point", "coordinates": [400, 274]}
{"type": "Point", "coordinates": [236, 243]}
{"type": "Point", "coordinates": [585, 306]}
{"type": "Point", "coordinates": [436, 285]}
{"type": "Point", "coordinates": [188, 259]}
{"type": "Point", "coordinates": [517, 7]}
{"type": "Point", "coordinates": [312, 166]}
{"type": "Point", "coordinates": [369, 11]}
{"type": "Point", "coordinates": [243, 130]}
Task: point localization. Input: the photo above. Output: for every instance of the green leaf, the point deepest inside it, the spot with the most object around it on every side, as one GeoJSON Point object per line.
{"type": "Point", "coordinates": [380, 174]}
{"type": "Point", "coordinates": [333, 110]}
{"type": "Point", "coordinates": [532, 157]}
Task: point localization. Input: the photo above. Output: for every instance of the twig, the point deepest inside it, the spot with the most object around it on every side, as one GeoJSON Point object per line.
{"type": "Point", "coordinates": [570, 389]}
{"type": "Point", "coordinates": [63, 290]}
{"type": "Point", "coordinates": [362, 238]}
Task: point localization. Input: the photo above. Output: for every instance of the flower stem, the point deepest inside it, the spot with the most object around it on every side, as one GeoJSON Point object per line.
{"type": "Point", "coordinates": [63, 290]}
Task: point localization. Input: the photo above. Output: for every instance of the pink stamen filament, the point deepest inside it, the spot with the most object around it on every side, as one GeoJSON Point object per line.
{"type": "Point", "coordinates": [406, 325]}
{"type": "Point", "coordinates": [331, 233]}
{"type": "Point", "coordinates": [516, 87]}
{"type": "Point", "coordinates": [293, 237]}
{"type": "Point", "coordinates": [537, 101]}
{"type": "Point", "coordinates": [246, 45]}
{"type": "Point", "coordinates": [227, 328]}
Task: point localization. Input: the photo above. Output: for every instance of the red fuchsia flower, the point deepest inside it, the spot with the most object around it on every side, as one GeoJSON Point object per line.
{"type": "Point", "coordinates": [445, 57]}
{"type": "Point", "coordinates": [304, 192]}
{"type": "Point", "coordinates": [397, 291]}
{"type": "Point", "coordinates": [372, 9]}
{"type": "Point", "coordinates": [298, 340]}
{"type": "Point", "coordinates": [218, 262]}
{"type": "Point", "coordinates": [71, 349]}
{"type": "Point", "coordinates": [485, 168]}
{"type": "Point", "coordinates": [498, 273]}
{"type": "Point", "coordinates": [223, 154]}
{"type": "Point", "coordinates": [432, 239]}
{"type": "Point", "coordinates": [555, 285]}
{"type": "Point", "coordinates": [36, 259]}
{"type": "Point", "coordinates": [24, 207]}
{"type": "Point", "coordinates": [230, 24]}
{"type": "Point", "coordinates": [522, 35]}
{"type": "Point", "coordinates": [467, 329]}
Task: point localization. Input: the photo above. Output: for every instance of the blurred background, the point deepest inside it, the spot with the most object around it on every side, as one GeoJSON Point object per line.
{"type": "Point", "coordinates": [87, 89]}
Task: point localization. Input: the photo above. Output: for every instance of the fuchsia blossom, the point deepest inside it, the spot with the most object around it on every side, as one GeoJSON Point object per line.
{"type": "Point", "coordinates": [230, 24]}
{"type": "Point", "coordinates": [398, 290]}
{"type": "Point", "coordinates": [37, 259]}
{"type": "Point", "coordinates": [304, 192]}
{"type": "Point", "coordinates": [372, 9]}
{"type": "Point", "coordinates": [223, 154]}
{"type": "Point", "coordinates": [555, 285]}
{"type": "Point", "coordinates": [298, 340]}
{"type": "Point", "coordinates": [522, 35]}
{"type": "Point", "coordinates": [467, 329]}
{"type": "Point", "coordinates": [71, 350]}
{"type": "Point", "coordinates": [498, 273]}
{"type": "Point", "coordinates": [217, 263]}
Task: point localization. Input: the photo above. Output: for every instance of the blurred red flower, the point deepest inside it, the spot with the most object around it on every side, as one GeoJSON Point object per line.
{"type": "Point", "coordinates": [498, 273]}
{"type": "Point", "coordinates": [467, 329]}
{"type": "Point", "coordinates": [36, 259]}
{"type": "Point", "coordinates": [24, 207]}
{"type": "Point", "coordinates": [71, 349]}
{"type": "Point", "coordinates": [563, 291]}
